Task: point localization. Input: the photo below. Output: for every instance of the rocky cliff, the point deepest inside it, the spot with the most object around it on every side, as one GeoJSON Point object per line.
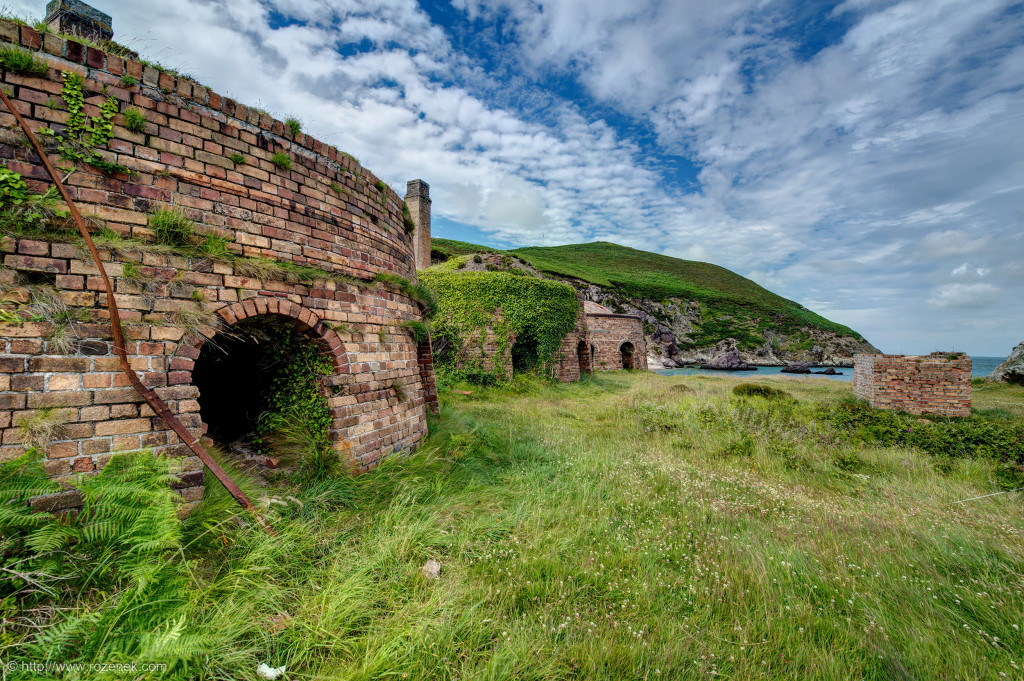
{"type": "Point", "coordinates": [1011, 370]}
{"type": "Point", "coordinates": [681, 332]}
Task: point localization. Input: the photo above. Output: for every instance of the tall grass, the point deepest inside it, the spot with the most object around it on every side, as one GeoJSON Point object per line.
{"type": "Point", "coordinates": [611, 529]}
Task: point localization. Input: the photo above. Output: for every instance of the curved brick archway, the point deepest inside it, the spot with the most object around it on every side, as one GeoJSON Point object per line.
{"type": "Point", "coordinates": [304, 321]}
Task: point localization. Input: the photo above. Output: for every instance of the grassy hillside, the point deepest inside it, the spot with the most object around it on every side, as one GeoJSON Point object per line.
{"type": "Point", "coordinates": [650, 276]}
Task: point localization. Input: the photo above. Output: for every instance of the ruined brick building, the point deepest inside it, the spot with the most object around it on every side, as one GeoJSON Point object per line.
{"type": "Point", "coordinates": [939, 383]}
{"type": "Point", "coordinates": [273, 195]}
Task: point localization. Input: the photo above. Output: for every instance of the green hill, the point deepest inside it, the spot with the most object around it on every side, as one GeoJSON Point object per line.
{"type": "Point", "coordinates": [730, 305]}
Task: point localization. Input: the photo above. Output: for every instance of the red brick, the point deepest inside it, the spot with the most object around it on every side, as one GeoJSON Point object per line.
{"type": "Point", "coordinates": [35, 264]}
{"type": "Point", "coordinates": [83, 465]}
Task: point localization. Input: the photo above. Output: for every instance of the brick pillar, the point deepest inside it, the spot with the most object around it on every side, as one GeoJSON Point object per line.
{"type": "Point", "coordinates": [418, 197]}
{"type": "Point", "coordinates": [425, 357]}
{"type": "Point", "coordinates": [77, 18]}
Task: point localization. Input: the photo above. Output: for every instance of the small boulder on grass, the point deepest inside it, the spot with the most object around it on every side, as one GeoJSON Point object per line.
{"type": "Point", "coordinates": [431, 570]}
{"type": "Point", "coordinates": [765, 391]}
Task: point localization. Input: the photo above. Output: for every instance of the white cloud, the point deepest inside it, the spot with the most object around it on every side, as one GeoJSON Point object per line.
{"type": "Point", "coordinates": [858, 177]}
{"type": "Point", "coordinates": [963, 295]}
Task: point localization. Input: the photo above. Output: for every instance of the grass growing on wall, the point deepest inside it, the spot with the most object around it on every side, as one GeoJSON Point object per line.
{"type": "Point", "coordinates": [535, 311]}
{"type": "Point", "coordinates": [629, 527]}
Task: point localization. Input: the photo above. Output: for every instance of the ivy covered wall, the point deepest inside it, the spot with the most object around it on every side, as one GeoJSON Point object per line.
{"type": "Point", "coordinates": [488, 323]}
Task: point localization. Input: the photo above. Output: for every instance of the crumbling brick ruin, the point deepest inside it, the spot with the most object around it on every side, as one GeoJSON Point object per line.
{"type": "Point", "coordinates": [600, 341]}
{"type": "Point", "coordinates": [939, 383]}
{"type": "Point", "coordinates": [617, 340]}
{"type": "Point", "coordinates": [324, 211]}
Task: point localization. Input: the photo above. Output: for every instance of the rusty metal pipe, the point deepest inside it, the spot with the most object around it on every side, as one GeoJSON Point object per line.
{"type": "Point", "coordinates": [158, 405]}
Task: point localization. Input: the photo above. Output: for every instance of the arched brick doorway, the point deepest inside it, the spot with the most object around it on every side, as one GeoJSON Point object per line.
{"type": "Point", "coordinates": [295, 318]}
{"type": "Point", "coordinates": [583, 355]}
{"type": "Point", "coordinates": [627, 350]}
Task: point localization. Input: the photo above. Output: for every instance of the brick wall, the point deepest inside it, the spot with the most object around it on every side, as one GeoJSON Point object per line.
{"type": "Point", "coordinates": [327, 211]}
{"type": "Point", "coordinates": [182, 159]}
{"type": "Point", "coordinates": [934, 384]}
{"type": "Point", "coordinates": [609, 332]}
{"type": "Point", "coordinates": [570, 364]}
{"type": "Point", "coordinates": [486, 351]}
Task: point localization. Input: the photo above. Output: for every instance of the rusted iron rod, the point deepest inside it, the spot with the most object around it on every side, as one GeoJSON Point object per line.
{"type": "Point", "coordinates": [158, 405]}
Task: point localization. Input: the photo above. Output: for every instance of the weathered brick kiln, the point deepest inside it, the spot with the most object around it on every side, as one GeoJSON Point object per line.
{"type": "Point", "coordinates": [211, 159]}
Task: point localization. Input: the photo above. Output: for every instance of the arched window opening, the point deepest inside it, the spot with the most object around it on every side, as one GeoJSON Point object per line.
{"type": "Point", "coordinates": [627, 351]}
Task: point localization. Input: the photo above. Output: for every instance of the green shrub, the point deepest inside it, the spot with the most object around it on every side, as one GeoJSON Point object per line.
{"type": "Point", "coordinates": [22, 62]}
{"type": "Point", "coordinates": [755, 390]}
{"type": "Point", "coordinates": [408, 223]}
{"type": "Point", "coordinates": [108, 576]}
{"type": "Point", "coordinates": [420, 331]}
{"type": "Point", "coordinates": [282, 160]}
{"type": "Point", "coordinates": [741, 446]}
{"type": "Point", "coordinates": [134, 119]}
{"type": "Point", "coordinates": [172, 227]}
{"type": "Point", "coordinates": [537, 313]}
{"type": "Point", "coordinates": [972, 437]}
{"type": "Point", "coordinates": [296, 418]}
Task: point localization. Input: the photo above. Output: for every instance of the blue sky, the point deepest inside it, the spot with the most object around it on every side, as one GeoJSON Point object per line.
{"type": "Point", "coordinates": [863, 157]}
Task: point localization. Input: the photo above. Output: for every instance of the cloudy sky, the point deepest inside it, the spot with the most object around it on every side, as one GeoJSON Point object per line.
{"type": "Point", "coordinates": [865, 157]}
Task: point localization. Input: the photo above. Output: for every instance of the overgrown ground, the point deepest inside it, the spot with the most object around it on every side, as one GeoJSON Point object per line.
{"type": "Point", "coordinates": [629, 527]}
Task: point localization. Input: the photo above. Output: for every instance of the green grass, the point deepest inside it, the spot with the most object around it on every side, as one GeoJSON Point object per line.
{"type": "Point", "coordinates": [134, 119]}
{"type": "Point", "coordinates": [629, 527]}
{"type": "Point", "coordinates": [22, 62]}
{"type": "Point", "coordinates": [451, 248]}
{"type": "Point", "coordinates": [282, 160]}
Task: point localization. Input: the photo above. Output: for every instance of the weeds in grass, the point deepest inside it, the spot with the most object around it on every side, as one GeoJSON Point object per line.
{"type": "Point", "coordinates": [282, 160]}
{"type": "Point", "coordinates": [573, 544]}
{"type": "Point", "coordinates": [134, 119]}
{"type": "Point", "coordinates": [41, 427]}
{"type": "Point", "coordinates": [765, 391]}
{"type": "Point", "coordinates": [23, 62]}
{"type": "Point", "coordinates": [172, 227]}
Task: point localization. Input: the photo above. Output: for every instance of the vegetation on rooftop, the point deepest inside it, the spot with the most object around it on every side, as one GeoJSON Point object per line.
{"type": "Point", "coordinates": [535, 315]}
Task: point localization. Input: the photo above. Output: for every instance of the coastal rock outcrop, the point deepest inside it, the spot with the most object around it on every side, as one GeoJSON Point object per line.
{"type": "Point", "coordinates": [797, 368]}
{"type": "Point", "coordinates": [673, 327]}
{"type": "Point", "coordinates": [728, 358]}
{"type": "Point", "coordinates": [1010, 370]}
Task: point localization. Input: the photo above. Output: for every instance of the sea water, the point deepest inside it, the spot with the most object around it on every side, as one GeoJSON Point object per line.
{"type": "Point", "coordinates": [980, 368]}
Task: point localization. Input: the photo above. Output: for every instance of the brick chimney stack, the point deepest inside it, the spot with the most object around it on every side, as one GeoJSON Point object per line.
{"type": "Point", "coordinates": [76, 18]}
{"type": "Point", "coordinates": [417, 196]}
